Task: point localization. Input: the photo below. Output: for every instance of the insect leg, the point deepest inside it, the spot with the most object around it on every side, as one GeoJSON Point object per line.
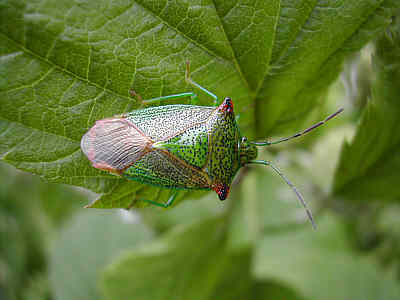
{"type": "Point", "coordinates": [171, 200]}
{"type": "Point", "coordinates": [193, 97]}
{"type": "Point", "coordinates": [190, 81]}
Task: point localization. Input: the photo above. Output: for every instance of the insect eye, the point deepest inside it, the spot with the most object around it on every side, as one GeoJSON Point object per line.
{"type": "Point", "coordinates": [228, 105]}
{"type": "Point", "coordinates": [228, 101]}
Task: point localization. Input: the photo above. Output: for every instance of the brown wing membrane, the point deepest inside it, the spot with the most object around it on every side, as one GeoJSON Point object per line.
{"type": "Point", "coordinates": [114, 144]}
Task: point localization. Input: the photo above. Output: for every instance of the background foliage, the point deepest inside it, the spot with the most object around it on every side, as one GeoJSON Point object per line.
{"type": "Point", "coordinates": [64, 65]}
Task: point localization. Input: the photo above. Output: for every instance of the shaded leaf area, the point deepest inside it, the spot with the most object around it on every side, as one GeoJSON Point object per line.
{"type": "Point", "coordinates": [86, 245]}
{"type": "Point", "coordinates": [38, 288]}
{"type": "Point", "coordinates": [238, 283]}
{"type": "Point", "coordinates": [66, 64]}
{"type": "Point", "coordinates": [187, 213]}
{"type": "Point", "coordinates": [321, 264]}
{"type": "Point", "coordinates": [171, 268]}
{"type": "Point", "coordinates": [369, 164]}
{"type": "Point", "coordinates": [388, 227]}
{"type": "Point", "coordinates": [257, 290]}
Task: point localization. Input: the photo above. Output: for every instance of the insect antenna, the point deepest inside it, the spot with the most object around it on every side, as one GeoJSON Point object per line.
{"type": "Point", "coordinates": [267, 143]}
{"type": "Point", "coordinates": [299, 196]}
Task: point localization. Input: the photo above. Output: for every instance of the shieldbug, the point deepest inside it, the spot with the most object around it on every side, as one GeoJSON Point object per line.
{"type": "Point", "coordinates": [179, 146]}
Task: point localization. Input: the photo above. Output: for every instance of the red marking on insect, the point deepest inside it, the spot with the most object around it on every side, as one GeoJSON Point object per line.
{"type": "Point", "coordinates": [226, 105]}
{"type": "Point", "coordinates": [222, 190]}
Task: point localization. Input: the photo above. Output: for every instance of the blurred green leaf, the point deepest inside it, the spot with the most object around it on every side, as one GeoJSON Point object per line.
{"type": "Point", "coordinates": [187, 213]}
{"type": "Point", "coordinates": [265, 202]}
{"type": "Point", "coordinates": [369, 165]}
{"type": "Point", "coordinates": [185, 264]}
{"type": "Point", "coordinates": [321, 265]}
{"type": "Point", "coordinates": [13, 256]}
{"type": "Point", "coordinates": [244, 221]}
{"type": "Point", "coordinates": [65, 65]}
{"type": "Point", "coordinates": [30, 212]}
{"type": "Point", "coordinates": [86, 245]}
{"type": "Point", "coordinates": [38, 288]}
{"type": "Point", "coordinates": [260, 290]}
{"type": "Point", "coordinates": [388, 227]}
{"type": "Point", "coordinates": [237, 282]}
{"type": "Point", "coordinates": [189, 262]}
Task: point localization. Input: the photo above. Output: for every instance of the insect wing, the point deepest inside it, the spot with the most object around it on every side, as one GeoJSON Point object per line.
{"type": "Point", "coordinates": [160, 123]}
{"type": "Point", "coordinates": [114, 144]}
{"type": "Point", "coordinates": [160, 168]}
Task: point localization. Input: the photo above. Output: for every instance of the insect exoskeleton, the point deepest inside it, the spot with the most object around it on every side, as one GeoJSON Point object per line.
{"type": "Point", "coordinates": [179, 146]}
{"type": "Point", "coordinates": [173, 146]}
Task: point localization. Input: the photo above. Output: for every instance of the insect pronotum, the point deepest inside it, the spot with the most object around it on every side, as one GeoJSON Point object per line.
{"type": "Point", "coordinates": [179, 146]}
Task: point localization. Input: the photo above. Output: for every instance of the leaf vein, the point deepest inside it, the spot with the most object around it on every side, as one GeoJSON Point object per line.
{"type": "Point", "coordinates": [51, 63]}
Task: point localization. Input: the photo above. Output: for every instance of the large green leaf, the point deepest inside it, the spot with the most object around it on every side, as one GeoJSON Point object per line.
{"type": "Point", "coordinates": [65, 65]}
{"type": "Point", "coordinates": [369, 165]}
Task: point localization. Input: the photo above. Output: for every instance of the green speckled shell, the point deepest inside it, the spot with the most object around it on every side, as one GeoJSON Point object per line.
{"type": "Point", "coordinates": [173, 146]}
{"type": "Point", "coordinates": [195, 147]}
{"type": "Point", "coordinates": [190, 145]}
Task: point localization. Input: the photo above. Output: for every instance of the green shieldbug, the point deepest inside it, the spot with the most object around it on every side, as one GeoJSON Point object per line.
{"type": "Point", "coordinates": [178, 146]}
